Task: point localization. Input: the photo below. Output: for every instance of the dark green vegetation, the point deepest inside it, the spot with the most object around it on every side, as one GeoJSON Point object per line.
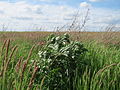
{"type": "Point", "coordinates": [59, 60]}
{"type": "Point", "coordinates": [58, 63]}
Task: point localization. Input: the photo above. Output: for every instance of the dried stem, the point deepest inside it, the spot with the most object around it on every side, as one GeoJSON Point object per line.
{"type": "Point", "coordinates": [101, 70]}
{"type": "Point", "coordinates": [26, 62]}
{"type": "Point", "coordinates": [18, 65]}
{"type": "Point", "coordinates": [33, 77]}
{"type": "Point", "coordinates": [8, 61]}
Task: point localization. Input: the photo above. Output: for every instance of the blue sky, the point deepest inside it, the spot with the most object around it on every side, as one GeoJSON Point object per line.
{"type": "Point", "coordinates": [48, 14]}
{"type": "Point", "coordinates": [114, 4]}
{"type": "Point", "coordinates": [97, 3]}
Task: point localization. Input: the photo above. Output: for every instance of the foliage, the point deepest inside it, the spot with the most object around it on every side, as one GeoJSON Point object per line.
{"type": "Point", "coordinates": [59, 59]}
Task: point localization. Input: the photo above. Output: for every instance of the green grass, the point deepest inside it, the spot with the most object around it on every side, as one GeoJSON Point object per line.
{"type": "Point", "coordinates": [12, 78]}
{"type": "Point", "coordinates": [102, 71]}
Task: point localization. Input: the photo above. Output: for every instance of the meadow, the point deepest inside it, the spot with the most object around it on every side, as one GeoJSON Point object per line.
{"type": "Point", "coordinates": [85, 61]}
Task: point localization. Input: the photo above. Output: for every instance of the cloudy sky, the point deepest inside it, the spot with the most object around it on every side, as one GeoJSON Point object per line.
{"type": "Point", "coordinates": [23, 15]}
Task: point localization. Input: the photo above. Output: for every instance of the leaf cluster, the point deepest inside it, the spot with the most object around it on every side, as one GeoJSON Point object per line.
{"type": "Point", "coordinates": [59, 59]}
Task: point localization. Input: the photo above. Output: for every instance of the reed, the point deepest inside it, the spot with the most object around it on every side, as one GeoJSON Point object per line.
{"type": "Point", "coordinates": [11, 70]}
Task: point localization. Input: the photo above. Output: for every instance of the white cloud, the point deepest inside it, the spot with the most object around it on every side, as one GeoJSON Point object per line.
{"type": "Point", "coordinates": [85, 4]}
{"type": "Point", "coordinates": [44, 0]}
{"type": "Point", "coordinates": [101, 17]}
{"type": "Point", "coordinates": [22, 16]}
{"type": "Point", "coordinates": [95, 0]}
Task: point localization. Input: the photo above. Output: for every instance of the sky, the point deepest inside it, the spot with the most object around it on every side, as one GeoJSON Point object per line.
{"type": "Point", "coordinates": [27, 15]}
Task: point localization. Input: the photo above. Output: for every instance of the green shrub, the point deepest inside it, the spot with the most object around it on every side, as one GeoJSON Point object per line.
{"type": "Point", "coordinates": [59, 59]}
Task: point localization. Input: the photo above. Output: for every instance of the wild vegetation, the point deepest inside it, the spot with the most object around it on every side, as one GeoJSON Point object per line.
{"type": "Point", "coordinates": [78, 61]}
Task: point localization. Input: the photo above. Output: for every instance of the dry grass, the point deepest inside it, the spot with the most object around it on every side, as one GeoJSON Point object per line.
{"type": "Point", "coordinates": [36, 37]}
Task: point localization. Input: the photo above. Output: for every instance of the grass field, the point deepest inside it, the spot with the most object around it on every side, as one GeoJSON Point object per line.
{"type": "Point", "coordinates": [100, 69]}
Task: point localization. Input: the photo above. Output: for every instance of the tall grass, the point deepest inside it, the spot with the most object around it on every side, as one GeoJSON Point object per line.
{"type": "Point", "coordinates": [101, 72]}
{"type": "Point", "coordinates": [15, 75]}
